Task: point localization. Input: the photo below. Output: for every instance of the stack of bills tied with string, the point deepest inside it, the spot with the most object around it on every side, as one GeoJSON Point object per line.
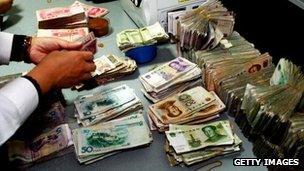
{"type": "Point", "coordinates": [106, 105]}
{"type": "Point", "coordinates": [132, 38]}
{"type": "Point", "coordinates": [190, 144]}
{"type": "Point", "coordinates": [170, 78]}
{"type": "Point", "coordinates": [105, 139]}
{"type": "Point", "coordinates": [61, 18]}
{"type": "Point", "coordinates": [193, 106]}
{"type": "Point", "coordinates": [109, 68]}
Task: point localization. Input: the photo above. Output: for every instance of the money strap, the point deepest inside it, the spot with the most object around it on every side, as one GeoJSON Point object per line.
{"type": "Point", "coordinates": [19, 52]}
{"type": "Point", "coordinates": [36, 85]}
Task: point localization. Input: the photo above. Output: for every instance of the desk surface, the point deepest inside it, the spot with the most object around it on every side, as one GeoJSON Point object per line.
{"type": "Point", "coordinates": [22, 20]}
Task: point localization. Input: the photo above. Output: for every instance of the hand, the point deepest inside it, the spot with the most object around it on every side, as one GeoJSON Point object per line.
{"type": "Point", "coordinates": [5, 5]}
{"type": "Point", "coordinates": [63, 69]}
{"type": "Point", "coordinates": [41, 46]}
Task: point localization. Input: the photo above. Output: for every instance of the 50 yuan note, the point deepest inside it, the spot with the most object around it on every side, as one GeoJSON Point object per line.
{"type": "Point", "coordinates": [100, 138]}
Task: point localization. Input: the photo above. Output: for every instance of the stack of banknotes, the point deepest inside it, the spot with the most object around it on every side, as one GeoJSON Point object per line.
{"type": "Point", "coordinates": [105, 139]}
{"type": "Point", "coordinates": [274, 112]}
{"type": "Point", "coordinates": [230, 66]}
{"type": "Point", "coordinates": [106, 105]}
{"type": "Point", "coordinates": [170, 78]}
{"type": "Point", "coordinates": [190, 144]}
{"type": "Point", "coordinates": [68, 23]}
{"type": "Point", "coordinates": [43, 136]}
{"type": "Point", "coordinates": [41, 147]}
{"type": "Point", "coordinates": [193, 106]}
{"type": "Point", "coordinates": [132, 38]}
{"type": "Point", "coordinates": [204, 27]}
{"type": "Point", "coordinates": [109, 68]}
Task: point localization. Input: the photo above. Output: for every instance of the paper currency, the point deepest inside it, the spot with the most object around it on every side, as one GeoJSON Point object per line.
{"type": "Point", "coordinates": [61, 17]}
{"type": "Point", "coordinates": [70, 35]}
{"type": "Point", "coordinates": [44, 145]}
{"type": "Point", "coordinates": [106, 105]}
{"type": "Point", "coordinates": [7, 78]}
{"type": "Point", "coordinates": [132, 38]}
{"type": "Point", "coordinates": [91, 11]}
{"type": "Point", "coordinates": [198, 137]}
{"type": "Point", "coordinates": [109, 68]}
{"type": "Point", "coordinates": [89, 43]}
{"type": "Point", "coordinates": [100, 140]}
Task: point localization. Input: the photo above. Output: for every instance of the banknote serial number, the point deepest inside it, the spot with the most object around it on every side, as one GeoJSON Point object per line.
{"type": "Point", "coordinates": [265, 162]}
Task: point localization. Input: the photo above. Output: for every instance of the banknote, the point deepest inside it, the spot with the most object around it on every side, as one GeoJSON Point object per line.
{"type": "Point", "coordinates": [89, 43]}
{"type": "Point", "coordinates": [99, 103]}
{"type": "Point", "coordinates": [91, 11]}
{"type": "Point", "coordinates": [113, 136]}
{"type": "Point", "coordinates": [44, 145]}
{"type": "Point", "coordinates": [71, 35]}
{"type": "Point", "coordinates": [182, 105]}
{"type": "Point", "coordinates": [213, 134]}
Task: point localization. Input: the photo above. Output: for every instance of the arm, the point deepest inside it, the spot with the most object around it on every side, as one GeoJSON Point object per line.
{"type": "Point", "coordinates": [19, 98]}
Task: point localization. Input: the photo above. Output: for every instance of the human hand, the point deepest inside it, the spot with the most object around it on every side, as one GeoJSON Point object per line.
{"type": "Point", "coordinates": [63, 69]}
{"type": "Point", "coordinates": [5, 5]}
{"type": "Point", "coordinates": [41, 46]}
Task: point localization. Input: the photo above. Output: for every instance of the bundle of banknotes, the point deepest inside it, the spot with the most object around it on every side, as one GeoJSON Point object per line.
{"type": "Point", "coordinates": [132, 38]}
{"type": "Point", "coordinates": [105, 139]}
{"type": "Point", "coordinates": [273, 111]}
{"type": "Point", "coordinates": [170, 78]}
{"type": "Point", "coordinates": [41, 147]}
{"type": "Point", "coordinates": [230, 66]}
{"type": "Point", "coordinates": [70, 35]}
{"type": "Point", "coordinates": [70, 17]}
{"type": "Point", "coordinates": [202, 28]}
{"type": "Point", "coordinates": [109, 68]}
{"type": "Point", "coordinates": [106, 105]}
{"type": "Point", "coordinates": [190, 144]}
{"type": "Point", "coordinates": [43, 136]}
{"type": "Point", "coordinates": [193, 106]}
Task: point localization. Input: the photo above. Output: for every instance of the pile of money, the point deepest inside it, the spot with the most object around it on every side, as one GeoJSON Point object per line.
{"type": "Point", "coordinates": [272, 111]}
{"type": "Point", "coordinates": [106, 105]}
{"type": "Point", "coordinates": [230, 66]}
{"type": "Point", "coordinates": [105, 139]}
{"type": "Point", "coordinates": [108, 68]}
{"type": "Point", "coordinates": [91, 11]}
{"type": "Point", "coordinates": [61, 18]}
{"type": "Point", "coordinates": [132, 38]}
{"type": "Point", "coordinates": [35, 150]}
{"type": "Point", "coordinates": [193, 106]}
{"type": "Point", "coordinates": [70, 35]}
{"type": "Point", "coordinates": [89, 43]}
{"type": "Point", "coordinates": [190, 144]}
{"type": "Point", "coordinates": [204, 27]}
{"type": "Point", "coordinates": [170, 78]}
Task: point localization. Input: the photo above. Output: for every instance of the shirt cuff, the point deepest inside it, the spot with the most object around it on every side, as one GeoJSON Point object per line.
{"type": "Point", "coordinates": [6, 42]}
{"type": "Point", "coordinates": [23, 94]}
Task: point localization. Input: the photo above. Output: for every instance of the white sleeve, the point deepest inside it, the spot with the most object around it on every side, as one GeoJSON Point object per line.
{"type": "Point", "coordinates": [18, 99]}
{"type": "Point", "coordinates": [6, 43]}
